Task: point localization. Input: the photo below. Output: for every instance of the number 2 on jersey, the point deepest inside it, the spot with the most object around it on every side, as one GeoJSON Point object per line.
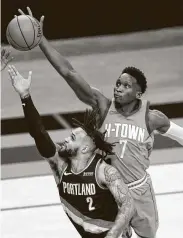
{"type": "Point", "coordinates": [90, 201]}
{"type": "Point", "coordinates": [123, 147]}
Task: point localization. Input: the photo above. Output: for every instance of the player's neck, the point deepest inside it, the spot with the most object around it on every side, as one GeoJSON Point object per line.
{"type": "Point", "coordinates": [80, 162]}
{"type": "Point", "coordinates": [130, 108]}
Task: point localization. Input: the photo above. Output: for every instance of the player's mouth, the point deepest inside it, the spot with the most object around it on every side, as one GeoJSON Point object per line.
{"type": "Point", "coordinates": [117, 95]}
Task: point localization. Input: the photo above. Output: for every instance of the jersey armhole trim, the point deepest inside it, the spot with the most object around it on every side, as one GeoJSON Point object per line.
{"type": "Point", "coordinates": [100, 185]}
{"type": "Point", "coordinates": [147, 117]}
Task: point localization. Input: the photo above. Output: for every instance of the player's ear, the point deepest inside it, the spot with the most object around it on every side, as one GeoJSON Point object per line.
{"type": "Point", "coordinates": [85, 149]}
{"type": "Point", "coordinates": [138, 95]}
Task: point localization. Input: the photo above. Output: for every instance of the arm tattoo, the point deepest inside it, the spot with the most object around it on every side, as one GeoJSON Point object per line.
{"type": "Point", "coordinates": [57, 169]}
{"type": "Point", "coordinates": [54, 167]}
{"type": "Point", "coordinates": [123, 199]}
{"type": "Point", "coordinates": [111, 174]}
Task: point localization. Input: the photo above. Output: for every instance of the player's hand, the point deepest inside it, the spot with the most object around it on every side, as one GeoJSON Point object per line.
{"type": "Point", "coordinates": [20, 84]}
{"type": "Point", "coordinates": [30, 14]}
{"type": "Point", "coordinates": [5, 58]}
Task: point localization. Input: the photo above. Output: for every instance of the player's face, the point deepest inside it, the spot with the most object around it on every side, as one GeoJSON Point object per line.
{"type": "Point", "coordinates": [126, 89]}
{"type": "Point", "coordinates": [73, 143]}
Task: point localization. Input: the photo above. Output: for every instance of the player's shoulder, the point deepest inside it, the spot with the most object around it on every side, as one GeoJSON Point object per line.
{"type": "Point", "coordinates": [157, 120]}
{"type": "Point", "coordinates": [156, 115]}
{"type": "Point", "coordinates": [107, 172]}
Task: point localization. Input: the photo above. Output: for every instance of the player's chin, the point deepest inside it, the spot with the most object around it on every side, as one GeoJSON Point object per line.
{"type": "Point", "coordinates": [118, 100]}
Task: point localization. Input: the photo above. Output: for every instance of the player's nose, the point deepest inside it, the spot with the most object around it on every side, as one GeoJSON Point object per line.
{"type": "Point", "coordinates": [120, 89]}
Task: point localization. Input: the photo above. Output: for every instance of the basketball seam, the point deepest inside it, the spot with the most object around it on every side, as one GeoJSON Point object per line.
{"type": "Point", "coordinates": [15, 41]}
{"type": "Point", "coordinates": [38, 42]}
{"type": "Point", "coordinates": [34, 30]}
{"type": "Point", "coordinates": [22, 33]}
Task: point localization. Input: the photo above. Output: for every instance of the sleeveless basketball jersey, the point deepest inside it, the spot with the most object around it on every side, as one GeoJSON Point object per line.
{"type": "Point", "coordinates": [133, 141]}
{"type": "Point", "coordinates": [89, 206]}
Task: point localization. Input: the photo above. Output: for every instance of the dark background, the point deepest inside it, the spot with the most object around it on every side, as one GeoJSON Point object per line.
{"type": "Point", "coordinates": [77, 18]}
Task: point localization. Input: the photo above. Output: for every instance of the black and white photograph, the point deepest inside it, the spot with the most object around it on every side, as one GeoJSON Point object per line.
{"type": "Point", "coordinates": [91, 119]}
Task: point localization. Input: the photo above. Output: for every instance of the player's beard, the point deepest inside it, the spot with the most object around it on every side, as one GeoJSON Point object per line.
{"type": "Point", "coordinates": [66, 153]}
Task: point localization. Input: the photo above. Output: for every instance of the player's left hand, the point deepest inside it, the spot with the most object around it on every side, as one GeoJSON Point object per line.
{"type": "Point", "coordinates": [5, 58]}
{"type": "Point", "coordinates": [31, 15]}
{"type": "Point", "coordinates": [20, 84]}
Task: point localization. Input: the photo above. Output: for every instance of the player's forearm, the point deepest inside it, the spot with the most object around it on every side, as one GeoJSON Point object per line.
{"type": "Point", "coordinates": [44, 144]}
{"type": "Point", "coordinates": [81, 88]}
{"type": "Point", "coordinates": [123, 218]}
{"type": "Point", "coordinates": [60, 63]}
{"type": "Point", "coordinates": [32, 116]}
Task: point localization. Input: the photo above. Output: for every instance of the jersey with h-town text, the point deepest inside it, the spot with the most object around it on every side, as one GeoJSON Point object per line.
{"type": "Point", "coordinates": [133, 141]}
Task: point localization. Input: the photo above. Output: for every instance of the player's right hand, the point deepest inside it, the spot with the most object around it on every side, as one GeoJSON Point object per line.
{"type": "Point", "coordinates": [30, 14]}
{"type": "Point", "coordinates": [20, 84]}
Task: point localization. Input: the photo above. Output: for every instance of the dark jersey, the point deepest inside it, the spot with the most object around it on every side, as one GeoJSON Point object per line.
{"type": "Point", "coordinates": [90, 207]}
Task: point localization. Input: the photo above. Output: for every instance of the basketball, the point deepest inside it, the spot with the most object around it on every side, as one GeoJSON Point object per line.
{"type": "Point", "coordinates": [24, 33]}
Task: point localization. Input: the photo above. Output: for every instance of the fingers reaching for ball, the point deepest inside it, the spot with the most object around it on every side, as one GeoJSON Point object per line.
{"type": "Point", "coordinates": [29, 11]}
{"type": "Point", "coordinates": [20, 84]}
{"type": "Point", "coordinates": [21, 12]}
{"type": "Point", "coordinates": [30, 14]}
{"type": "Point", "coordinates": [41, 22]}
{"type": "Point", "coordinates": [12, 72]}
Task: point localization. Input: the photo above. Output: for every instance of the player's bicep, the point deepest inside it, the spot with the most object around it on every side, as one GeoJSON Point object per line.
{"type": "Point", "coordinates": [114, 182]}
{"type": "Point", "coordinates": [83, 90]}
{"type": "Point", "coordinates": [81, 87]}
{"type": "Point", "coordinates": [102, 106]}
{"type": "Point", "coordinates": [158, 121]}
{"type": "Point", "coordinates": [99, 97]}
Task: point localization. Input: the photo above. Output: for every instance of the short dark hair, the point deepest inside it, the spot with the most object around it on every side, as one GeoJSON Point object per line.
{"type": "Point", "coordinates": [90, 127]}
{"type": "Point", "coordinates": [138, 75]}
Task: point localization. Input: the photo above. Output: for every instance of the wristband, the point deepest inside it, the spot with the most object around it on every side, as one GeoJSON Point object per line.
{"type": "Point", "coordinates": [25, 98]}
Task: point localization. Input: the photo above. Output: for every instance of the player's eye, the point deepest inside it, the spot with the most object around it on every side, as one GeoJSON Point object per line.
{"type": "Point", "coordinates": [126, 85]}
{"type": "Point", "coordinates": [72, 137]}
{"type": "Point", "coordinates": [118, 84]}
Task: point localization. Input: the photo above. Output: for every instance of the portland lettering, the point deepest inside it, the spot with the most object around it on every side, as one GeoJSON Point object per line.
{"type": "Point", "coordinates": [79, 188]}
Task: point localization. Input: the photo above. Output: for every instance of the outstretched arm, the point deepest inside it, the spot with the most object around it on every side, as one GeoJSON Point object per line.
{"type": "Point", "coordinates": [36, 129]}
{"type": "Point", "coordinates": [109, 176]}
{"type": "Point", "coordinates": [81, 88]}
{"type": "Point", "coordinates": [44, 143]}
{"type": "Point", "coordinates": [160, 122]}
